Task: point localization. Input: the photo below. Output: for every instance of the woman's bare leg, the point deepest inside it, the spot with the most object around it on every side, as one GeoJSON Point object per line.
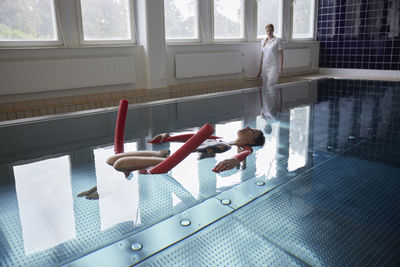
{"type": "Point", "coordinates": [145, 153]}
{"type": "Point", "coordinates": [128, 164]}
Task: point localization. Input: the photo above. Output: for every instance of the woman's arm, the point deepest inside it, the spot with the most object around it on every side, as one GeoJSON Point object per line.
{"type": "Point", "coordinates": [281, 59]}
{"type": "Point", "coordinates": [234, 161]}
{"type": "Point", "coordinates": [159, 138]}
{"type": "Point", "coordinates": [261, 63]}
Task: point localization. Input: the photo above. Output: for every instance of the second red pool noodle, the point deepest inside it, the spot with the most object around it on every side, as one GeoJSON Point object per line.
{"type": "Point", "coordinates": [179, 138]}
{"type": "Point", "coordinates": [187, 148]}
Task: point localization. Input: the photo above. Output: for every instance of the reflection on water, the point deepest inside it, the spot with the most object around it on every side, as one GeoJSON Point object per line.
{"type": "Point", "coordinates": [45, 203]}
{"type": "Point", "coordinates": [285, 124]}
{"type": "Point", "coordinates": [118, 197]}
{"type": "Point", "coordinates": [185, 172]}
{"type": "Point", "coordinates": [298, 139]}
{"type": "Point", "coordinates": [229, 133]}
{"type": "Point", "coordinates": [266, 156]}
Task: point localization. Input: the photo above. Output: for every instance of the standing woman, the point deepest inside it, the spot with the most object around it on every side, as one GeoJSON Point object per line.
{"type": "Point", "coordinates": [271, 61]}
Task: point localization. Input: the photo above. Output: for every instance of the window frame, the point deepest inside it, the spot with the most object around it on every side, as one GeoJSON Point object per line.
{"type": "Point", "coordinates": [226, 40]}
{"type": "Point", "coordinates": [131, 41]}
{"type": "Point", "coordinates": [312, 23]}
{"type": "Point", "coordinates": [31, 43]}
{"type": "Point", "coordinates": [187, 40]}
{"type": "Point", "coordinates": [280, 22]}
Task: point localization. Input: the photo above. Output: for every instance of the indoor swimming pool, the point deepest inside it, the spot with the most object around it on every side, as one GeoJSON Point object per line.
{"type": "Point", "coordinates": [322, 191]}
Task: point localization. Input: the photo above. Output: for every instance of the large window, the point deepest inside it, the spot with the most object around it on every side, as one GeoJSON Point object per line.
{"type": "Point", "coordinates": [303, 19]}
{"type": "Point", "coordinates": [181, 20]}
{"type": "Point", "coordinates": [269, 12]}
{"type": "Point", "coordinates": [106, 20]}
{"type": "Point", "coordinates": [228, 19]}
{"type": "Point", "coordinates": [25, 21]}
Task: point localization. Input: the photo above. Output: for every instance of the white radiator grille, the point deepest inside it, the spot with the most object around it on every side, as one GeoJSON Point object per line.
{"type": "Point", "coordinates": [207, 64]}
{"type": "Point", "coordinates": [296, 58]}
{"type": "Point", "coordinates": [44, 75]}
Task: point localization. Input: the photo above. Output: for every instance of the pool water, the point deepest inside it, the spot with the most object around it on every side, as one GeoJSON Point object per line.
{"type": "Point", "coordinates": [331, 163]}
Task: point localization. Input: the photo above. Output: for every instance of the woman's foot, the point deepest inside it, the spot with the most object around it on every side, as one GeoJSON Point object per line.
{"type": "Point", "coordinates": [90, 194]}
{"type": "Point", "coordinates": [127, 173]}
{"type": "Point", "coordinates": [85, 193]}
{"type": "Point", "coordinates": [93, 195]}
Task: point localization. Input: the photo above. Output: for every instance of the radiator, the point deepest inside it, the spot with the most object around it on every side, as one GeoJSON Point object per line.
{"type": "Point", "coordinates": [296, 58]}
{"type": "Point", "coordinates": [207, 64]}
{"type": "Point", "coordinates": [17, 77]}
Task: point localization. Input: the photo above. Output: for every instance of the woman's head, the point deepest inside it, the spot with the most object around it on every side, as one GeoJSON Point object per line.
{"type": "Point", "coordinates": [250, 137]}
{"type": "Point", "coordinates": [269, 29]}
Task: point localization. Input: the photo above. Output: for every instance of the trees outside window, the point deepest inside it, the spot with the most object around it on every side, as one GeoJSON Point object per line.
{"type": "Point", "coordinates": [269, 12]}
{"type": "Point", "coordinates": [104, 20]}
{"type": "Point", "coordinates": [303, 19]}
{"type": "Point", "coordinates": [228, 19]}
{"type": "Point", "coordinates": [27, 21]}
{"type": "Point", "coordinates": [181, 20]}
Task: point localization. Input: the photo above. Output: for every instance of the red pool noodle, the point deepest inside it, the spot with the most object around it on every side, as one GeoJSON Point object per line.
{"type": "Point", "coordinates": [184, 150]}
{"type": "Point", "coordinates": [120, 127]}
{"type": "Point", "coordinates": [180, 137]}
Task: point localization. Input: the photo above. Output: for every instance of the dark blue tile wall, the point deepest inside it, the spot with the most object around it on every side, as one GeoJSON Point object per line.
{"type": "Point", "coordinates": [359, 34]}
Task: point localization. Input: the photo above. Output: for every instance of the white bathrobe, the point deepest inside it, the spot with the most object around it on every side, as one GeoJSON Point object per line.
{"type": "Point", "coordinates": [271, 61]}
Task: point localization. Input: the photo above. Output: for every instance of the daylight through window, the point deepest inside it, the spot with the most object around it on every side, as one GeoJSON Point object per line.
{"type": "Point", "coordinates": [269, 12]}
{"type": "Point", "coordinates": [27, 20]}
{"type": "Point", "coordinates": [181, 19]}
{"type": "Point", "coordinates": [303, 19]}
{"type": "Point", "coordinates": [228, 19]}
{"type": "Point", "coordinates": [106, 20]}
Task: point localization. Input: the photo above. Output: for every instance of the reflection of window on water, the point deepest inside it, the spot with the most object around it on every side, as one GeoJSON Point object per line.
{"type": "Point", "coordinates": [266, 160]}
{"type": "Point", "coordinates": [228, 131]}
{"type": "Point", "coordinates": [186, 172]}
{"type": "Point", "coordinates": [118, 197]}
{"type": "Point", "coordinates": [45, 203]}
{"type": "Point", "coordinates": [298, 138]}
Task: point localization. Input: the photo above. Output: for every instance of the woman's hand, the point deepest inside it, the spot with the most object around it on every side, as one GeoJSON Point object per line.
{"type": "Point", "coordinates": [226, 165]}
{"type": "Point", "coordinates": [159, 137]}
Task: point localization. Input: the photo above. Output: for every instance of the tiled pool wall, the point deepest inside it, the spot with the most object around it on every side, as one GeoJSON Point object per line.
{"type": "Point", "coordinates": [56, 105]}
{"type": "Point", "coordinates": [64, 104]}
{"type": "Point", "coordinates": [359, 34]}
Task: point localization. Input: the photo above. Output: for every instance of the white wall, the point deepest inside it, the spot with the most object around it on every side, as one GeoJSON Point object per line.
{"type": "Point", "coordinates": [250, 58]}
{"type": "Point", "coordinates": [154, 58]}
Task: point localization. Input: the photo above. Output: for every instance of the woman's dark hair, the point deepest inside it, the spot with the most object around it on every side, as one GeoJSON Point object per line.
{"type": "Point", "coordinates": [260, 140]}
